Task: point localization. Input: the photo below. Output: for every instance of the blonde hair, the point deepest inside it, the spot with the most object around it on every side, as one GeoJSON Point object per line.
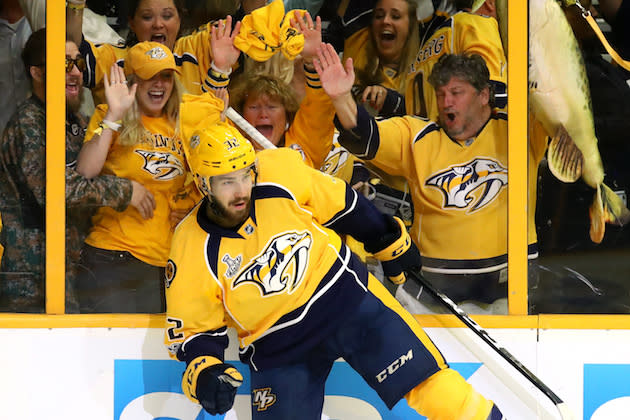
{"type": "Point", "coordinates": [278, 65]}
{"type": "Point", "coordinates": [372, 73]}
{"type": "Point", "coordinates": [133, 132]}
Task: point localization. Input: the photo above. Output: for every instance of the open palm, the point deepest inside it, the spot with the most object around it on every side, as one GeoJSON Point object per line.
{"type": "Point", "coordinates": [222, 36]}
{"type": "Point", "coordinates": [337, 80]}
{"type": "Point", "coordinates": [119, 96]}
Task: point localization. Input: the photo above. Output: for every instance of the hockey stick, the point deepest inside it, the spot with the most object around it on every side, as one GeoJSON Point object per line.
{"type": "Point", "coordinates": [248, 128]}
{"type": "Point", "coordinates": [561, 406]}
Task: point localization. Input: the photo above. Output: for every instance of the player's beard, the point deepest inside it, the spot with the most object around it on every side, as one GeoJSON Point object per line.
{"type": "Point", "coordinates": [223, 217]}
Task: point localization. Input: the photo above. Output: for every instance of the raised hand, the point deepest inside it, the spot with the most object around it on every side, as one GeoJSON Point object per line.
{"type": "Point", "coordinates": [119, 96]}
{"type": "Point", "coordinates": [336, 79]}
{"type": "Point", "coordinates": [224, 53]}
{"type": "Point", "coordinates": [312, 32]}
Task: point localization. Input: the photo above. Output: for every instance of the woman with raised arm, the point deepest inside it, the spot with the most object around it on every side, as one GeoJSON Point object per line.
{"type": "Point", "coordinates": [134, 136]}
{"type": "Point", "coordinates": [156, 21]}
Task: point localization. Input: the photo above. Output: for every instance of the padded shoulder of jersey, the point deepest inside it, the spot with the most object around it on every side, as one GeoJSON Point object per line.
{"type": "Point", "coordinates": [285, 167]}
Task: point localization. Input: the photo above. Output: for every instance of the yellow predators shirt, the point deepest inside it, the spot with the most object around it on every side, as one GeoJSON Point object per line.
{"type": "Point", "coordinates": [459, 189]}
{"type": "Point", "coordinates": [158, 164]}
{"type": "Point", "coordinates": [461, 33]}
{"type": "Point", "coordinates": [192, 53]}
{"type": "Point", "coordinates": [282, 278]}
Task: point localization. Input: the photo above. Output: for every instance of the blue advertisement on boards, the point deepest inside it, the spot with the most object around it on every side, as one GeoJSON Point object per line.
{"type": "Point", "coordinates": [606, 391]}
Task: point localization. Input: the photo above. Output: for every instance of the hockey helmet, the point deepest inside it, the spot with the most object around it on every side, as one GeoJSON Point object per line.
{"type": "Point", "coordinates": [215, 150]}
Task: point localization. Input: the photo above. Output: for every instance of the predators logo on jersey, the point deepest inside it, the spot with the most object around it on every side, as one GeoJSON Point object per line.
{"type": "Point", "coordinates": [335, 161]}
{"type": "Point", "coordinates": [163, 166]}
{"type": "Point", "coordinates": [281, 266]}
{"type": "Point", "coordinates": [459, 183]}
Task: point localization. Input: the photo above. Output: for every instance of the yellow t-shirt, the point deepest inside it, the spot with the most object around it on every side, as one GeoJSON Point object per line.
{"type": "Point", "coordinates": [158, 163]}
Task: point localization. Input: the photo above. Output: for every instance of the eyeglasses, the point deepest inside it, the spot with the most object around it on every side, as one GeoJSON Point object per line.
{"type": "Point", "coordinates": [79, 62]}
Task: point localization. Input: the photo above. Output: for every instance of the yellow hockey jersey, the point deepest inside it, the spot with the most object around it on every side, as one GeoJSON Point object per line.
{"type": "Point", "coordinates": [459, 189]}
{"type": "Point", "coordinates": [193, 57]}
{"type": "Point", "coordinates": [461, 33]}
{"type": "Point", "coordinates": [312, 130]}
{"type": "Point", "coordinates": [274, 278]}
{"type": "Point", "coordinates": [158, 164]}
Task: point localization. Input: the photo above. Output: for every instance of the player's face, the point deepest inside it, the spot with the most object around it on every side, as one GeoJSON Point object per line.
{"type": "Point", "coordinates": [156, 20]}
{"type": "Point", "coordinates": [231, 194]}
{"type": "Point", "coordinates": [153, 94]}
{"type": "Point", "coordinates": [269, 117]}
{"type": "Point", "coordinates": [390, 28]}
{"type": "Point", "coordinates": [461, 108]}
{"type": "Point", "coordinates": [74, 79]}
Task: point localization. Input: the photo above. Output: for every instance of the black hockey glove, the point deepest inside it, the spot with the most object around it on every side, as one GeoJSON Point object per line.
{"type": "Point", "coordinates": [211, 383]}
{"type": "Point", "coordinates": [397, 253]}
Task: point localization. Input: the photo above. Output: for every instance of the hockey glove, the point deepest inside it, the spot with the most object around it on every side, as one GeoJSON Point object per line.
{"type": "Point", "coordinates": [211, 383]}
{"type": "Point", "coordinates": [399, 255]}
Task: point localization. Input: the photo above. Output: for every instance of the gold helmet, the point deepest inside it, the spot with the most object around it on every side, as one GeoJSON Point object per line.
{"type": "Point", "coordinates": [217, 149]}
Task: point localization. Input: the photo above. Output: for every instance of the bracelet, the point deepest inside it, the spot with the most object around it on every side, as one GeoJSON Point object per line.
{"type": "Point", "coordinates": [218, 72]}
{"type": "Point", "coordinates": [112, 125]}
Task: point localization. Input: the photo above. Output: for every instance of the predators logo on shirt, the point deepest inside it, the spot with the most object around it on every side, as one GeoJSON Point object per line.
{"type": "Point", "coordinates": [459, 182]}
{"type": "Point", "coordinates": [163, 166]}
{"type": "Point", "coordinates": [281, 265]}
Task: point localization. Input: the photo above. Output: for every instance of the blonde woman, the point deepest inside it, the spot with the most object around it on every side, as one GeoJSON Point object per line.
{"type": "Point", "coordinates": [134, 136]}
{"type": "Point", "coordinates": [383, 53]}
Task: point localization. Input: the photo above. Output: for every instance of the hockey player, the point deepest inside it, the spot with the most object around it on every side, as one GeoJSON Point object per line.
{"type": "Point", "coordinates": [262, 253]}
{"type": "Point", "coordinates": [457, 172]}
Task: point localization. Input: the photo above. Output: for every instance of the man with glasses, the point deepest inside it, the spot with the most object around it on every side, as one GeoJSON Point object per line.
{"type": "Point", "coordinates": [23, 180]}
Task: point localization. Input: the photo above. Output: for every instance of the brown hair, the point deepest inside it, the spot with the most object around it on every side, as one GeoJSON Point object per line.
{"type": "Point", "coordinates": [132, 39]}
{"type": "Point", "coordinates": [34, 52]}
{"type": "Point", "coordinates": [371, 74]}
{"type": "Point", "coordinates": [469, 67]}
{"type": "Point", "coordinates": [264, 84]}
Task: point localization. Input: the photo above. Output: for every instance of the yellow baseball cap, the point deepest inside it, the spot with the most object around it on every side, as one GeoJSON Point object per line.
{"type": "Point", "coordinates": [146, 59]}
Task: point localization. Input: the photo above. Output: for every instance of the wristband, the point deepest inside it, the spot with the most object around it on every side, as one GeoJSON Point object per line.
{"type": "Point", "coordinates": [112, 125]}
{"type": "Point", "coordinates": [218, 72]}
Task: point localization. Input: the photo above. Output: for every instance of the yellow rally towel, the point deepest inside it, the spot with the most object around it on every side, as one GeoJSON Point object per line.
{"type": "Point", "coordinates": [196, 111]}
{"type": "Point", "coordinates": [267, 30]}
